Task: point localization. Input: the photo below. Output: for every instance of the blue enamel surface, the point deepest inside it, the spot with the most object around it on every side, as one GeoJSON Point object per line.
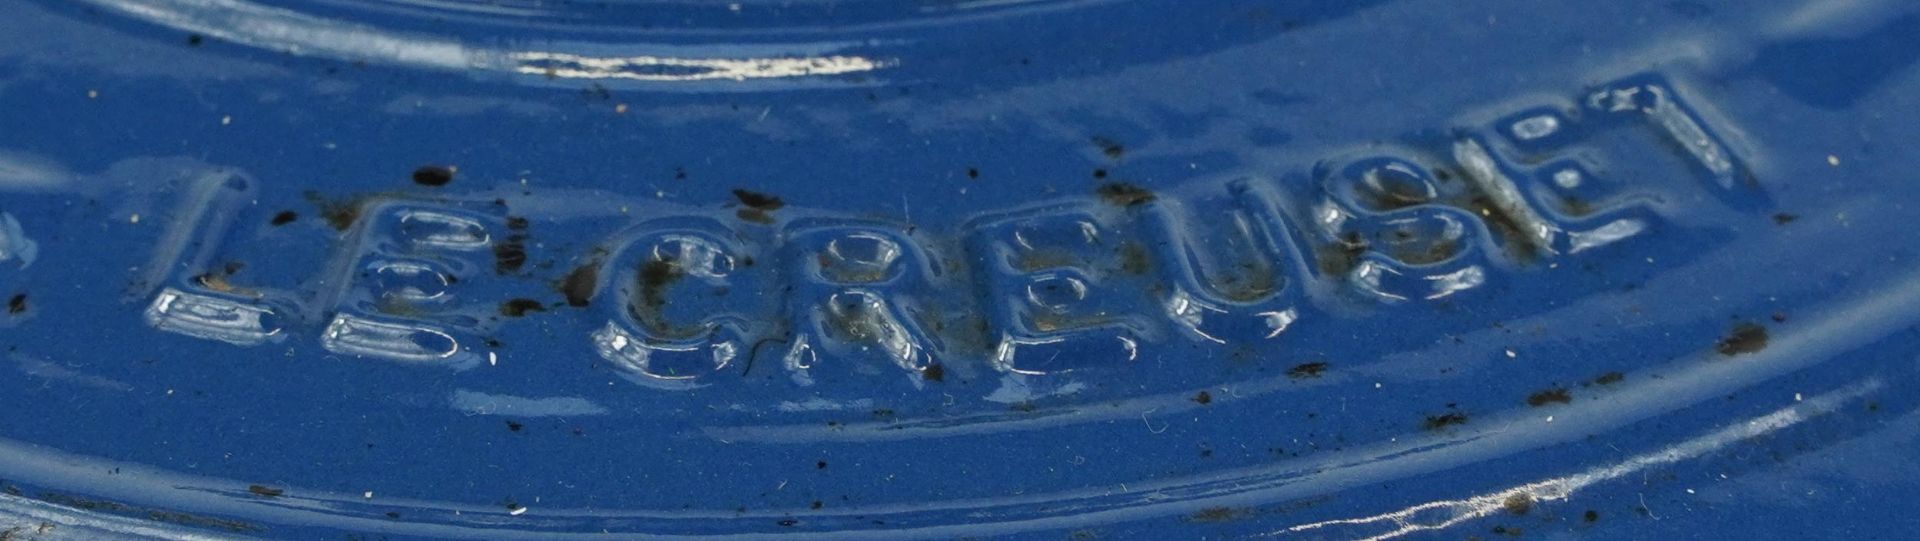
{"type": "Point", "coordinates": [1043, 269]}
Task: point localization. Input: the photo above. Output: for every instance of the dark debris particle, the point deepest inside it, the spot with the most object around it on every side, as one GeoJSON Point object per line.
{"type": "Point", "coordinates": [655, 276]}
{"type": "Point", "coordinates": [1556, 395]}
{"type": "Point", "coordinates": [266, 491]}
{"type": "Point", "coordinates": [1099, 173]}
{"type": "Point", "coordinates": [1779, 317]}
{"type": "Point", "coordinates": [433, 175]}
{"type": "Point", "coordinates": [341, 214]}
{"type": "Point", "coordinates": [1591, 516]}
{"type": "Point", "coordinates": [1307, 370]}
{"type": "Point", "coordinates": [1438, 422]}
{"type": "Point", "coordinates": [1745, 338]}
{"type": "Point", "coordinates": [86, 504]}
{"type": "Point", "coordinates": [753, 215]}
{"type": "Point", "coordinates": [821, 465]}
{"type": "Point", "coordinates": [393, 514]}
{"type": "Point", "coordinates": [1784, 218]}
{"type": "Point", "coordinates": [520, 307]}
{"type": "Point", "coordinates": [517, 223]}
{"type": "Point", "coordinates": [1337, 259]}
{"type": "Point", "coordinates": [514, 427]}
{"type": "Point", "coordinates": [1111, 148]}
{"type": "Point", "coordinates": [1134, 259]}
{"type": "Point", "coordinates": [509, 255]}
{"type": "Point", "coordinates": [284, 217]}
{"type": "Point", "coordinates": [596, 91]}
{"type": "Point", "coordinates": [1121, 194]}
{"type": "Point", "coordinates": [789, 523]}
{"type": "Point", "coordinates": [1218, 514]}
{"type": "Point", "coordinates": [934, 372]}
{"type": "Point", "coordinates": [1203, 398]}
{"type": "Point", "coordinates": [818, 504]}
{"type": "Point", "coordinates": [580, 284]}
{"type": "Point", "coordinates": [195, 39]}
{"type": "Point", "coordinates": [1610, 378]}
{"type": "Point", "coordinates": [1503, 225]}
{"type": "Point", "coordinates": [1518, 504]}
{"type": "Point", "coordinates": [187, 519]}
{"type": "Point", "coordinates": [757, 200]}
{"type": "Point", "coordinates": [17, 304]}
{"type": "Point", "coordinates": [973, 172]}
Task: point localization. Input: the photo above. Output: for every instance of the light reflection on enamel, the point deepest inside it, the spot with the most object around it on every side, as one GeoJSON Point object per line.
{"type": "Point", "coordinates": [302, 34]}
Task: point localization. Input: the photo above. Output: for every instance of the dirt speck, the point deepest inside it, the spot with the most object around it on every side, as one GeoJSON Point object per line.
{"type": "Point", "coordinates": [1518, 504]}
{"type": "Point", "coordinates": [1219, 514]}
{"type": "Point", "coordinates": [1610, 378]}
{"type": "Point", "coordinates": [1203, 398]}
{"type": "Point", "coordinates": [17, 304]}
{"type": "Point", "coordinates": [753, 215]}
{"type": "Point", "coordinates": [514, 426]}
{"type": "Point", "coordinates": [266, 491]}
{"type": "Point", "coordinates": [196, 40]}
{"type": "Point", "coordinates": [1444, 420]}
{"type": "Point", "coordinates": [283, 218]}
{"type": "Point", "coordinates": [1111, 148]}
{"type": "Point", "coordinates": [757, 200]}
{"type": "Point", "coordinates": [1517, 241]}
{"type": "Point", "coordinates": [934, 372]}
{"type": "Point", "coordinates": [433, 175]}
{"type": "Point", "coordinates": [1307, 370]}
{"type": "Point", "coordinates": [1556, 395]}
{"type": "Point", "coordinates": [188, 519]}
{"type": "Point", "coordinates": [655, 276]}
{"type": "Point", "coordinates": [218, 279]}
{"type": "Point", "coordinates": [1591, 516]}
{"type": "Point", "coordinates": [509, 255]}
{"type": "Point", "coordinates": [1784, 218]}
{"type": "Point", "coordinates": [520, 307]}
{"type": "Point", "coordinates": [1134, 259]}
{"type": "Point", "coordinates": [1121, 194]}
{"type": "Point", "coordinates": [339, 213]}
{"type": "Point", "coordinates": [1745, 338]}
{"type": "Point", "coordinates": [1337, 258]}
{"type": "Point", "coordinates": [580, 284]}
